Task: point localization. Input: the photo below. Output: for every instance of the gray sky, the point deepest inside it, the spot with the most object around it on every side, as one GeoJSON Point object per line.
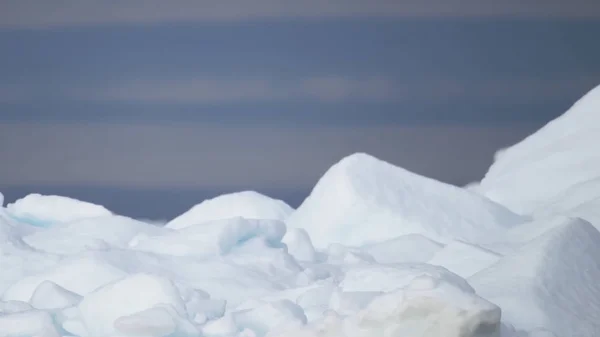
{"type": "Point", "coordinates": [268, 94]}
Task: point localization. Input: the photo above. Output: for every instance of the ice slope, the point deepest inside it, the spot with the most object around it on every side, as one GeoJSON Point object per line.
{"type": "Point", "coordinates": [246, 204]}
{"type": "Point", "coordinates": [549, 282]}
{"type": "Point", "coordinates": [362, 200]}
{"type": "Point", "coordinates": [557, 166]}
{"type": "Point", "coordinates": [45, 210]}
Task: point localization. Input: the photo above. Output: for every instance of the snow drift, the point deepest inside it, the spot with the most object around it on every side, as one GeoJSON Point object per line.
{"type": "Point", "coordinates": [247, 204]}
{"type": "Point", "coordinates": [550, 282]}
{"type": "Point", "coordinates": [555, 170]}
{"type": "Point", "coordinates": [46, 210]}
{"type": "Point", "coordinates": [362, 200]}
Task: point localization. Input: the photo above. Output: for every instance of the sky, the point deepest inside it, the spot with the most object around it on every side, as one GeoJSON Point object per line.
{"type": "Point", "coordinates": [151, 106]}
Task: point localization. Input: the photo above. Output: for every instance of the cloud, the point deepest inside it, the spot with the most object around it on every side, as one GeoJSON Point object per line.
{"type": "Point", "coordinates": [211, 156]}
{"type": "Point", "coordinates": [60, 13]}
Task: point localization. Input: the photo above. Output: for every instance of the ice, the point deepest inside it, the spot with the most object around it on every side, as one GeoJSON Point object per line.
{"type": "Point", "coordinates": [425, 307]}
{"type": "Point", "coordinates": [556, 168]}
{"type": "Point", "coordinates": [29, 323]}
{"type": "Point", "coordinates": [405, 248]}
{"type": "Point", "coordinates": [278, 315]}
{"type": "Point", "coordinates": [45, 210]}
{"type": "Point", "coordinates": [81, 275]}
{"type": "Point", "coordinates": [299, 245]}
{"type": "Point", "coordinates": [89, 234]}
{"type": "Point", "coordinates": [135, 294]}
{"type": "Point", "coordinates": [247, 204]}
{"type": "Point", "coordinates": [464, 259]}
{"type": "Point", "coordinates": [49, 295]}
{"type": "Point", "coordinates": [213, 238]}
{"type": "Point", "coordinates": [550, 282]}
{"type": "Point", "coordinates": [1, 200]}
{"type": "Point", "coordinates": [363, 200]}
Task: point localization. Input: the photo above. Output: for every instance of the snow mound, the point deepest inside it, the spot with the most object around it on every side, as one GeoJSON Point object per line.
{"type": "Point", "coordinates": [363, 200]}
{"type": "Point", "coordinates": [214, 238]}
{"type": "Point", "coordinates": [90, 234]}
{"type": "Point", "coordinates": [464, 259]}
{"type": "Point", "coordinates": [45, 210]}
{"type": "Point", "coordinates": [551, 166]}
{"type": "Point", "coordinates": [550, 282]}
{"type": "Point", "coordinates": [247, 204]}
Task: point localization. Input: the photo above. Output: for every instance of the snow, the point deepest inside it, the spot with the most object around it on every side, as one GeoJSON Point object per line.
{"type": "Point", "coordinates": [49, 295]}
{"type": "Point", "coordinates": [49, 209]}
{"type": "Point", "coordinates": [134, 294]}
{"type": "Point", "coordinates": [375, 250]}
{"type": "Point", "coordinates": [30, 323]}
{"type": "Point", "coordinates": [555, 170]}
{"type": "Point", "coordinates": [361, 200]}
{"type": "Point", "coordinates": [549, 282]}
{"type": "Point", "coordinates": [247, 204]}
{"type": "Point", "coordinates": [78, 236]}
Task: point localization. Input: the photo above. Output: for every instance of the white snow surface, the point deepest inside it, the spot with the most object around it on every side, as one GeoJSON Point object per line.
{"type": "Point", "coordinates": [49, 209]}
{"type": "Point", "coordinates": [246, 204]}
{"type": "Point", "coordinates": [556, 170]}
{"type": "Point", "coordinates": [362, 199]}
{"type": "Point", "coordinates": [375, 250]}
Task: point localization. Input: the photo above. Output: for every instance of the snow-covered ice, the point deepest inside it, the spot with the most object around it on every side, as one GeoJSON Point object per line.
{"type": "Point", "coordinates": [46, 210]}
{"type": "Point", "coordinates": [362, 200]}
{"type": "Point", "coordinates": [246, 204]}
{"type": "Point", "coordinates": [556, 170]}
{"type": "Point", "coordinates": [375, 250]}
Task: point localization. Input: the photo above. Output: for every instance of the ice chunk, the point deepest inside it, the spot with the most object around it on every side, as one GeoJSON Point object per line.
{"type": "Point", "coordinates": [29, 323]}
{"type": "Point", "coordinates": [153, 322]}
{"type": "Point", "coordinates": [278, 315]}
{"type": "Point", "coordinates": [550, 282]}
{"type": "Point", "coordinates": [299, 245]}
{"type": "Point", "coordinates": [50, 209]}
{"type": "Point", "coordinates": [90, 233]}
{"type": "Point", "coordinates": [426, 307]}
{"type": "Point", "coordinates": [550, 168]}
{"type": "Point", "coordinates": [212, 238]}
{"type": "Point", "coordinates": [13, 307]}
{"type": "Point", "coordinates": [405, 248]}
{"type": "Point", "coordinates": [464, 259]}
{"type": "Point", "coordinates": [1, 200]}
{"type": "Point", "coordinates": [134, 294]}
{"type": "Point", "coordinates": [81, 275]}
{"type": "Point", "coordinates": [363, 200]}
{"type": "Point", "coordinates": [49, 295]}
{"type": "Point", "coordinates": [373, 278]}
{"type": "Point", "coordinates": [247, 204]}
